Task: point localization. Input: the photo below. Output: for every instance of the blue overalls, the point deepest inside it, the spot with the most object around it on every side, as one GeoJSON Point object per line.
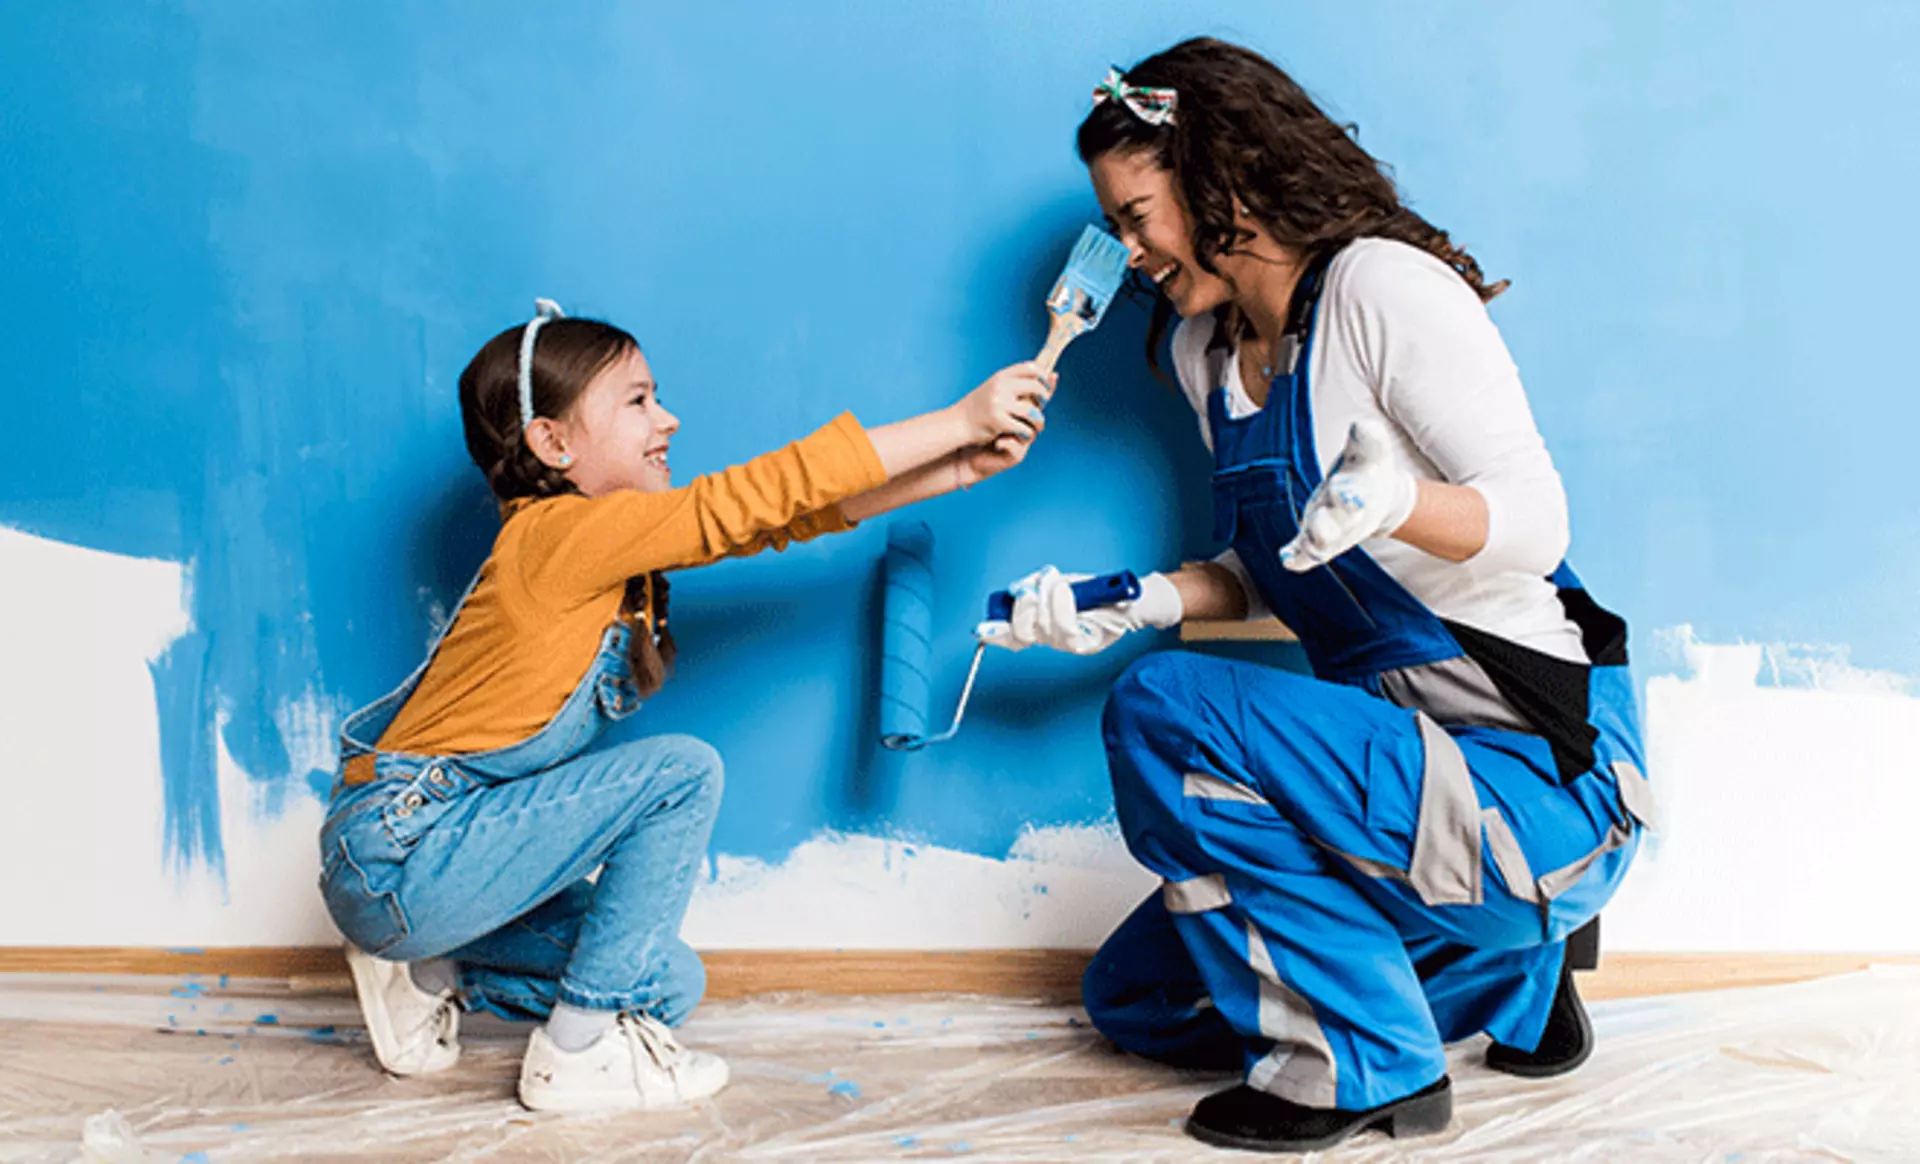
{"type": "Point", "coordinates": [1351, 883]}
{"type": "Point", "coordinates": [483, 858]}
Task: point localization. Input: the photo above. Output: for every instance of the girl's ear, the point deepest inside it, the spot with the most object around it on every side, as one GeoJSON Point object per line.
{"type": "Point", "coordinates": [548, 443]}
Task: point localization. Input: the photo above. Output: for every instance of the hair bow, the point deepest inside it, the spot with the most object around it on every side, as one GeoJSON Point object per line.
{"type": "Point", "coordinates": [1153, 106]}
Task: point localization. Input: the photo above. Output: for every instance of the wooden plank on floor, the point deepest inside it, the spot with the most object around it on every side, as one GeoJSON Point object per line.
{"type": "Point", "coordinates": [1052, 975]}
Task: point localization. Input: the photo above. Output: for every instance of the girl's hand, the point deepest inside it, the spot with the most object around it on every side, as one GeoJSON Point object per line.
{"type": "Point", "coordinates": [1008, 404]}
{"type": "Point", "coordinates": [978, 464]}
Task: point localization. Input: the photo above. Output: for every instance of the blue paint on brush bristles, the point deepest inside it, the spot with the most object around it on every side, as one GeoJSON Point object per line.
{"type": "Point", "coordinates": [1095, 270]}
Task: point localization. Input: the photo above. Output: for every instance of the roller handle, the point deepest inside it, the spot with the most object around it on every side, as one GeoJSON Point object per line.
{"type": "Point", "coordinates": [1105, 590]}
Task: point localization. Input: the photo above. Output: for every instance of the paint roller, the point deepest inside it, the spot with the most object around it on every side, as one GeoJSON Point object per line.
{"type": "Point", "coordinates": [906, 635]}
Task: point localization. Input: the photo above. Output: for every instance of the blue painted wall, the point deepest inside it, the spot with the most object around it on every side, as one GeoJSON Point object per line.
{"type": "Point", "coordinates": [247, 249]}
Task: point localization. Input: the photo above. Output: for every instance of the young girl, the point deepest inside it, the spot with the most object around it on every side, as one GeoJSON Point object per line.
{"type": "Point", "coordinates": [470, 811]}
{"type": "Point", "coordinates": [1364, 865]}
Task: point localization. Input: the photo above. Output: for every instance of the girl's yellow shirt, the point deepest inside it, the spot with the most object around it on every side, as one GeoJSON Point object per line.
{"type": "Point", "coordinates": [559, 570]}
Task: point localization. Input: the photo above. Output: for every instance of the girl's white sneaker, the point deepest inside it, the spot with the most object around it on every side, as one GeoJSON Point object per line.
{"type": "Point", "coordinates": [637, 1065]}
{"type": "Point", "coordinates": [414, 1033]}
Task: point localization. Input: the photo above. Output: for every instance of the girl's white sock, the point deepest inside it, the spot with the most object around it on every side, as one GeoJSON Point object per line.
{"type": "Point", "coordinates": [435, 975]}
{"type": "Point", "coordinates": [574, 1030]}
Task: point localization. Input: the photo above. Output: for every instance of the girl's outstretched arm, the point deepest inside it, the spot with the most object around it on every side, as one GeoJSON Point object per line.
{"type": "Point", "coordinates": [961, 470]}
{"type": "Point", "coordinates": [1008, 404]}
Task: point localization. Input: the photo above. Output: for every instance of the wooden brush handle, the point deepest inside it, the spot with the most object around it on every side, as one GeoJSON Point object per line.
{"type": "Point", "coordinates": [1060, 333]}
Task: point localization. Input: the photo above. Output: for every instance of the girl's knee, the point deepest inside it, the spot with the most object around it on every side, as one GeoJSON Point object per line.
{"type": "Point", "coordinates": [695, 759]}
{"type": "Point", "coordinates": [678, 770]}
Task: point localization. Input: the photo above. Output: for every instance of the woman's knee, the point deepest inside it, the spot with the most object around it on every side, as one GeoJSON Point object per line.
{"type": "Point", "coordinates": [1104, 987]}
{"type": "Point", "coordinates": [1163, 693]}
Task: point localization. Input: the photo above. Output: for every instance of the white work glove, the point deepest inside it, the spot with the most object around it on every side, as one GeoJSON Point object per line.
{"type": "Point", "coordinates": [1043, 613]}
{"type": "Point", "coordinates": [1369, 493]}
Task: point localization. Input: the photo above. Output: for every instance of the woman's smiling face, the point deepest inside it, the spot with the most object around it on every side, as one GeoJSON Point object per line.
{"type": "Point", "coordinates": [1144, 210]}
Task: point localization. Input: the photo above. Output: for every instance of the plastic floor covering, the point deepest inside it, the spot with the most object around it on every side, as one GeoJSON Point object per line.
{"type": "Point", "coordinates": [153, 1069]}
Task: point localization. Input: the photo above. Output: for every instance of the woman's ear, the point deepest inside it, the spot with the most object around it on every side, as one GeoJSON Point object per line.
{"type": "Point", "coordinates": [548, 443]}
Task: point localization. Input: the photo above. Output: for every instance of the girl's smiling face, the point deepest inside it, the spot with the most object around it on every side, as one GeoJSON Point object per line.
{"type": "Point", "coordinates": [616, 433]}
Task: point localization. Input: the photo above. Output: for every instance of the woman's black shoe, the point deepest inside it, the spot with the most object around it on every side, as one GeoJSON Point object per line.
{"type": "Point", "coordinates": [1566, 1043]}
{"type": "Point", "coordinates": [1244, 1118]}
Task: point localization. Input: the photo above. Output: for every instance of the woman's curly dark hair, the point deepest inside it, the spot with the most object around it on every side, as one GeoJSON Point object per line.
{"type": "Point", "coordinates": [567, 355]}
{"type": "Point", "coordinates": [1244, 131]}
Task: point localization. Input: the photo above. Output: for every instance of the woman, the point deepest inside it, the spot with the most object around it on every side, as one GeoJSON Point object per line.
{"type": "Point", "coordinates": [1367, 864]}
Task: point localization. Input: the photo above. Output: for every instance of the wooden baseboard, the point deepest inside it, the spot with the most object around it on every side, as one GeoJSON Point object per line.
{"type": "Point", "coordinates": [1259, 630]}
{"type": "Point", "coordinates": [1052, 975]}
{"type": "Point", "coordinates": [1638, 975]}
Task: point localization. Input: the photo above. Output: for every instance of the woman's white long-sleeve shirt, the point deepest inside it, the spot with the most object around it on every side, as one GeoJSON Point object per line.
{"type": "Point", "coordinates": [1402, 339]}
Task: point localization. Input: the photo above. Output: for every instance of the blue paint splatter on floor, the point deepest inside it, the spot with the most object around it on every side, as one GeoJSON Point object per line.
{"type": "Point", "coordinates": [846, 1087]}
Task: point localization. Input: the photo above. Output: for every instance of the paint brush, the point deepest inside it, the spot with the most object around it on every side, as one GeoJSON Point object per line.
{"type": "Point", "coordinates": [1079, 298]}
